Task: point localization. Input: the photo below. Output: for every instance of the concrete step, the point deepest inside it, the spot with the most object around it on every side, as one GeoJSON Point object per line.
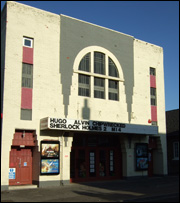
{"type": "Point", "coordinates": [22, 187]}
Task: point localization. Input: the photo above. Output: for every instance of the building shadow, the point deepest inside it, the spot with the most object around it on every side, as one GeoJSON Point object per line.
{"type": "Point", "coordinates": [86, 110]}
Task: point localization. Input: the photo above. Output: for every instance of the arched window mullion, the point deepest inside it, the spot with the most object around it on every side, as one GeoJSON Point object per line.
{"type": "Point", "coordinates": [99, 63]}
{"type": "Point", "coordinates": [113, 90]}
{"type": "Point", "coordinates": [112, 68]}
{"type": "Point", "coordinates": [85, 63]}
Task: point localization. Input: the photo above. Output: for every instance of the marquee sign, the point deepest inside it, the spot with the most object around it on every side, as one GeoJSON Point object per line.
{"type": "Point", "coordinates": [95, 126]}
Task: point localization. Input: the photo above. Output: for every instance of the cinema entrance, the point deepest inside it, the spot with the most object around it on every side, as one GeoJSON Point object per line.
{"type": "Point", "coordinates": [95, 157]}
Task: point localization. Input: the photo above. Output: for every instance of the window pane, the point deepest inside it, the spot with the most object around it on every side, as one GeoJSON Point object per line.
{"type": "Point", "coordinates": [113, 90]}
{"type": "Point", "coordinates": [99, 63]}
{"type": "Point", "coordinates": [111, 163]}
{"type": "Point", "coordinates": [92, 164]}
{"type": "Point", "coordinates": [27, 75]}
{"type": "Point", "coordinates": [112, 69]}
{"type": "Point", "coordinates": [26, 114]}
{"type": "Point", "coordinates": [153, 102]}
{"type": "Point", "coordinates": [84, 85]}
{"type": "Point", "coordinates": [99, 88]}
{"type": "Point", "coordinates": [153, 96]}
{"type": "Point", "coordinates": [85, 63]}
{"type": "Point", "coordinates": [153, 91]}
{"type": "Point", "coordinates": [27, 42]}
{"type": "Point", "coordinates": [152, 71]}
{"type": "Point", "coordinates": [154, 123]}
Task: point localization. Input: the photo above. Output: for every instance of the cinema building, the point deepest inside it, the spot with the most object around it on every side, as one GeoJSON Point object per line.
{"type": "Point", "coordinates": [79, 102]}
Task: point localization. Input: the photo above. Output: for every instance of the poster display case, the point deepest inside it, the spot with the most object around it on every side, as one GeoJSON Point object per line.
{"type": "Point", "coordinates": [141, 159]}
{"type": "Point", "coordinates": [50, 158]}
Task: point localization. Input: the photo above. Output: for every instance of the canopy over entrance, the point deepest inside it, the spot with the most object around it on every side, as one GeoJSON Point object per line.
{"type": "Point", "coordinates": [95, 126]}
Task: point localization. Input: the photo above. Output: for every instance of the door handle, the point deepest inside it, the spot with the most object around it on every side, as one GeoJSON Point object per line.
{"type": "Point", "coordinates": [19, 162]}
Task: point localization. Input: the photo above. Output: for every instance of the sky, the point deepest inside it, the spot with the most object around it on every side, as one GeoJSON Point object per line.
{"type": "Point", "coordinates": [156, 22]}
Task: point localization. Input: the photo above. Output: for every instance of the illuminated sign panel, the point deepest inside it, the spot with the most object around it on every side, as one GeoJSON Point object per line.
{"type": "Point", "coordinates": [96, 126]}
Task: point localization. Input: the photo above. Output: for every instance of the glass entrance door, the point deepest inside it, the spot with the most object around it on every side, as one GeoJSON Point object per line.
{"type": "Point", "coordinates": [95, 159]}
{"type": "Point", "coordinates": [82, 164]}
{"type": "Point", "coordinates": [78, 164]}
{"type": "Point", "coordinates": [103, 163]}
{"type": "Point", "coordinates": [94, 164]}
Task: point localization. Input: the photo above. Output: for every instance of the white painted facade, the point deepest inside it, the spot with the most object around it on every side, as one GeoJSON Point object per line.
{"type": "Point", "coordinates": [47, 100]}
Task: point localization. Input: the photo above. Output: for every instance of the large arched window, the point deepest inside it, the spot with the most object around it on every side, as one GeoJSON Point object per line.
{"type": "Point", "coordinates": [85, 63]}
{"type": "Point", "coordinates": [98, 75]}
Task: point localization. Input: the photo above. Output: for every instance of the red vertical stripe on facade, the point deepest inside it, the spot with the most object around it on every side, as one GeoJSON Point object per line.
{"type": "Point", "coordinates": [152, 81]}
{"type": "Point", "coordinates": [26, 98]}
{"type": "Point", "coordinates": [154, 113]}
{"type": "Point", "coordinates": [27, 55]}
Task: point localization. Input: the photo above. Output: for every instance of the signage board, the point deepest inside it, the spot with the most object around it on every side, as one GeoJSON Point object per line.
{"type": "Point", "coordinates": [12, 173]}
{"type": "Point", "coordinates": [95, 126]}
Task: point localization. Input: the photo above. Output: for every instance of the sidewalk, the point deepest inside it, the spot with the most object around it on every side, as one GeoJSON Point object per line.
{"type": "Point", "coordinates": [131, 190]}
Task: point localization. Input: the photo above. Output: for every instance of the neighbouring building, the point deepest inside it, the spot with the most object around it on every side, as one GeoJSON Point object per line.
{"type": "Point", "coordinates": [79, 102]}
{"type": "Point", "coordinates": [172, 128]}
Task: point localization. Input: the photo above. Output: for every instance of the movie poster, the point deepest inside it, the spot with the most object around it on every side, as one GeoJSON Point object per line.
{"type": "Point", "coordinates": [49, 166]}
{"type": "Point", "coordinates": [141, 150]}
{"type": "Point", "coordinates": [141, 154]}
{"type": "Point", "coordinates": [50, 150]}
{"type": "Point", "coordinates": [142, 163]}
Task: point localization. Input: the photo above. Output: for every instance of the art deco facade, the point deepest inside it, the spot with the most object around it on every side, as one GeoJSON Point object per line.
{"type": "Point", "coordinates": [80, 102]}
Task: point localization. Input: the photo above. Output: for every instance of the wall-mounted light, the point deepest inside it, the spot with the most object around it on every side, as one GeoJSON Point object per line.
{"type": "Point", "coordinates": [23, 135]}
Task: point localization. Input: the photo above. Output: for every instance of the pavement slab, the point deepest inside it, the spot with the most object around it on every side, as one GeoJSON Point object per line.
{"type": "Point", "coordinates": [130, 190]}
